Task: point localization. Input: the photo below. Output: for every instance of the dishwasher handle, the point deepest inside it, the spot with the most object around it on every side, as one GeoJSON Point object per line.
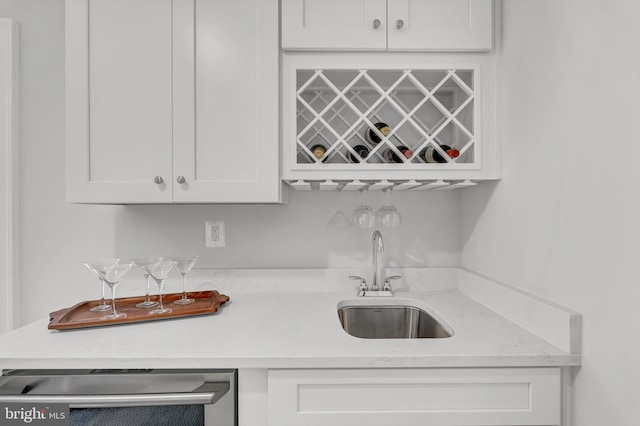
{"type": "Point", "coordinates": [208, 393]}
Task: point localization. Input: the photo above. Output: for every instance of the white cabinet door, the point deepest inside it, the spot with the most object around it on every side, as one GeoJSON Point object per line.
{"type": "Point", "coordinates": [440, 25]}
{"type": "Point", "coordinates": [118, 99]}
{"type": "Point", "coordinates": [366, 25]}
{"type": "Point", "coordinates": [334, 24]}
{"type": "Point", "coordinates": [226, 101]}
{"type": "Point", "coordinates": [409, 397]}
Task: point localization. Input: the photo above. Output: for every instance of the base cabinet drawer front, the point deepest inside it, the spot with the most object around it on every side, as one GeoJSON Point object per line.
{"type": "Point", "coordinates": [455, 397]}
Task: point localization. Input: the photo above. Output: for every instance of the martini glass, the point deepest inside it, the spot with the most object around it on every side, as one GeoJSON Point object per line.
{"type": "Point", "coordinates": [112, 276]}
{"type": "Point", "coordinates": [159, 273]}
{"type": "Point", "coordinates": [184, 265]}
{"type": "Point", "coordinates": [98, 265]}
{"type": "Point", "coordinates": [144, 264]}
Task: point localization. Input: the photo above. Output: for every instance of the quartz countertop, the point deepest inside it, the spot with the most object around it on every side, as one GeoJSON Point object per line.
{"type": "Point", "coordinates": [282, 329]}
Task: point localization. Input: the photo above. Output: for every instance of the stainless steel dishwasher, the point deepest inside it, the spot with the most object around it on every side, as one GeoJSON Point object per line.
{"type": "Point", "coordinates": [131, 397]}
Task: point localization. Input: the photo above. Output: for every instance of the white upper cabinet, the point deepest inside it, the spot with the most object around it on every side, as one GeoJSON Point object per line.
{"type": "Point", "coordinates": [354, 114]}
{"type": "Point", "coordinates": [226, 101]}
{"type": "Point", "coordinates": [172, 101]}
{"type": "Point", "coordinates": [387, 25]}
{"type": "Point", "coordinates": [118, 100]}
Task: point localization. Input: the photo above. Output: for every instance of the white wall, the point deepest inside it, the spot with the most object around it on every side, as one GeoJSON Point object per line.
{"type": "Point", "coordinates": [56, 236]}
{"type": "Point", "coordinates": [563, 222]}
{"type": "Point", "coordinates": [8, 171]}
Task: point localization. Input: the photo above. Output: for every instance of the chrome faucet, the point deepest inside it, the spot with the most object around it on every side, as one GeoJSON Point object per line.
{"type": "Point", "coordinates": [378, 246]}
{"type": "Point", "coordinates": [363, 290]}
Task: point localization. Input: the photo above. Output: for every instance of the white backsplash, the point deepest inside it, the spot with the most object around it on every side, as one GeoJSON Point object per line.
{"type": "Point", "coordinates": [294, 235]}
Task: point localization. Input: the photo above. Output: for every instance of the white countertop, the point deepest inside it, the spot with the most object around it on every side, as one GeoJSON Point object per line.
{"type": "Point", "coordinates": [283, 329]}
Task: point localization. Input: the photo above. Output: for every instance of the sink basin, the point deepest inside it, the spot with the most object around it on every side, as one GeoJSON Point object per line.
{"type": "Point", "coordinates": [392, 321]}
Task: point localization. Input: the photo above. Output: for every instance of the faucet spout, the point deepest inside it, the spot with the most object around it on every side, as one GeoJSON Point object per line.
{"type": "Point", "coordinates": [378, 247]}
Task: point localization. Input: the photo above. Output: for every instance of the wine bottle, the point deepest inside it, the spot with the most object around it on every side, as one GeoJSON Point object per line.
{"type": "Point", "coordinates": [392, 157]}
{"type": "Point", "coordinates": [430, 154]}
{"type": "Point", "coordinates": [372, 137]}
{"type": "Point", "coordinates": [318, 151]}
{"type": "Point", "coordinates": [361, 150]}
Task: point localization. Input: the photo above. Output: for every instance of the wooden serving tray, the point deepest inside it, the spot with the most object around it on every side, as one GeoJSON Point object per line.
{"type": "Point", "coordinates": [80, 316]}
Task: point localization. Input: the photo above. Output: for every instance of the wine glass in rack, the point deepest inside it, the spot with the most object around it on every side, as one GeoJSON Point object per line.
{"type": "Point", "coordinates": [99, 265]}
{"type": "Point", "coordinates": [184, 265]}
{"type": "Point", "coordinates": [388, 216]}
{"type": "Point", "coordinates": [112, 276]}
{"type": "Point", "coordinates": [339, 219]}
{"type": "Point", "coordinates": [144, 264]}
{"type": "Point", "coordinates": [363, 216]}
{"type": "Point", "coordinates": [159, 273]}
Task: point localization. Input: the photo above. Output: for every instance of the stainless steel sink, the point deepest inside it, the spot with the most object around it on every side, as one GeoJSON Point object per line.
{"type": "Point", "coordinates": [390, 322]}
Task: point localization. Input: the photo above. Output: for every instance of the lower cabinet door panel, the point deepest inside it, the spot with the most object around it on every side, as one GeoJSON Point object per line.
{"type": "Point", "coordinates": [455, 397]}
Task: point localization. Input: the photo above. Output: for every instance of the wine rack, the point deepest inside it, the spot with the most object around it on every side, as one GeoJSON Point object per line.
{"type": "Point", "coordinates": [423, 122]}
{"type": "Point", "coordinates": [425, 110]}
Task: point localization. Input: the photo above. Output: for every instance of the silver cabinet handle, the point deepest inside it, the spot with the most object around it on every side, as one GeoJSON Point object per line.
{"type": "Point", "coordinates": [376, 24]}
{"type": "Point", "coordinates": [208, 393]}
{"type": "Point", "coordinates": [158, 180]}
{"type": "Point", "coordinates": [181, 180]}
{"type": "Point", "coordinates": [399, 24]}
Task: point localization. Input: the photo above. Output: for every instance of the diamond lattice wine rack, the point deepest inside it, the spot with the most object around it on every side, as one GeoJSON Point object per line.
{"type": "Point", "coordinates": [416, 125]}
{"type": "Point", "coordinates": [422, 110]}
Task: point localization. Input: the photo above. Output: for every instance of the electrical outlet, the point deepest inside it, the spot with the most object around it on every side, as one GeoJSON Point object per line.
{"type": "Point", "coordinates": [214, 233]}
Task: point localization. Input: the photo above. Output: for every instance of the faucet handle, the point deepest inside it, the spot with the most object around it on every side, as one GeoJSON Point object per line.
{"type": "Point", "coordinates": [387, 285]}
{"type": "Point", "coordinates": [363, 284]}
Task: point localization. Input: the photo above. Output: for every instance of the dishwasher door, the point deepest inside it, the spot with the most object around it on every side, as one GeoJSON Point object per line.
{"type": "Point", "coordinates": [128, 397]}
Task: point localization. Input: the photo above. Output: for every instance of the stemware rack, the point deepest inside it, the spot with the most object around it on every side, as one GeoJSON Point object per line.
{"type": "Point", "coordinates": [378, 185]}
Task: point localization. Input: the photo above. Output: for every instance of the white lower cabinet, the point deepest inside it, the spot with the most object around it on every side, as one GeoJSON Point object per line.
{"type": "Point", "coordinates": [403, 397]}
